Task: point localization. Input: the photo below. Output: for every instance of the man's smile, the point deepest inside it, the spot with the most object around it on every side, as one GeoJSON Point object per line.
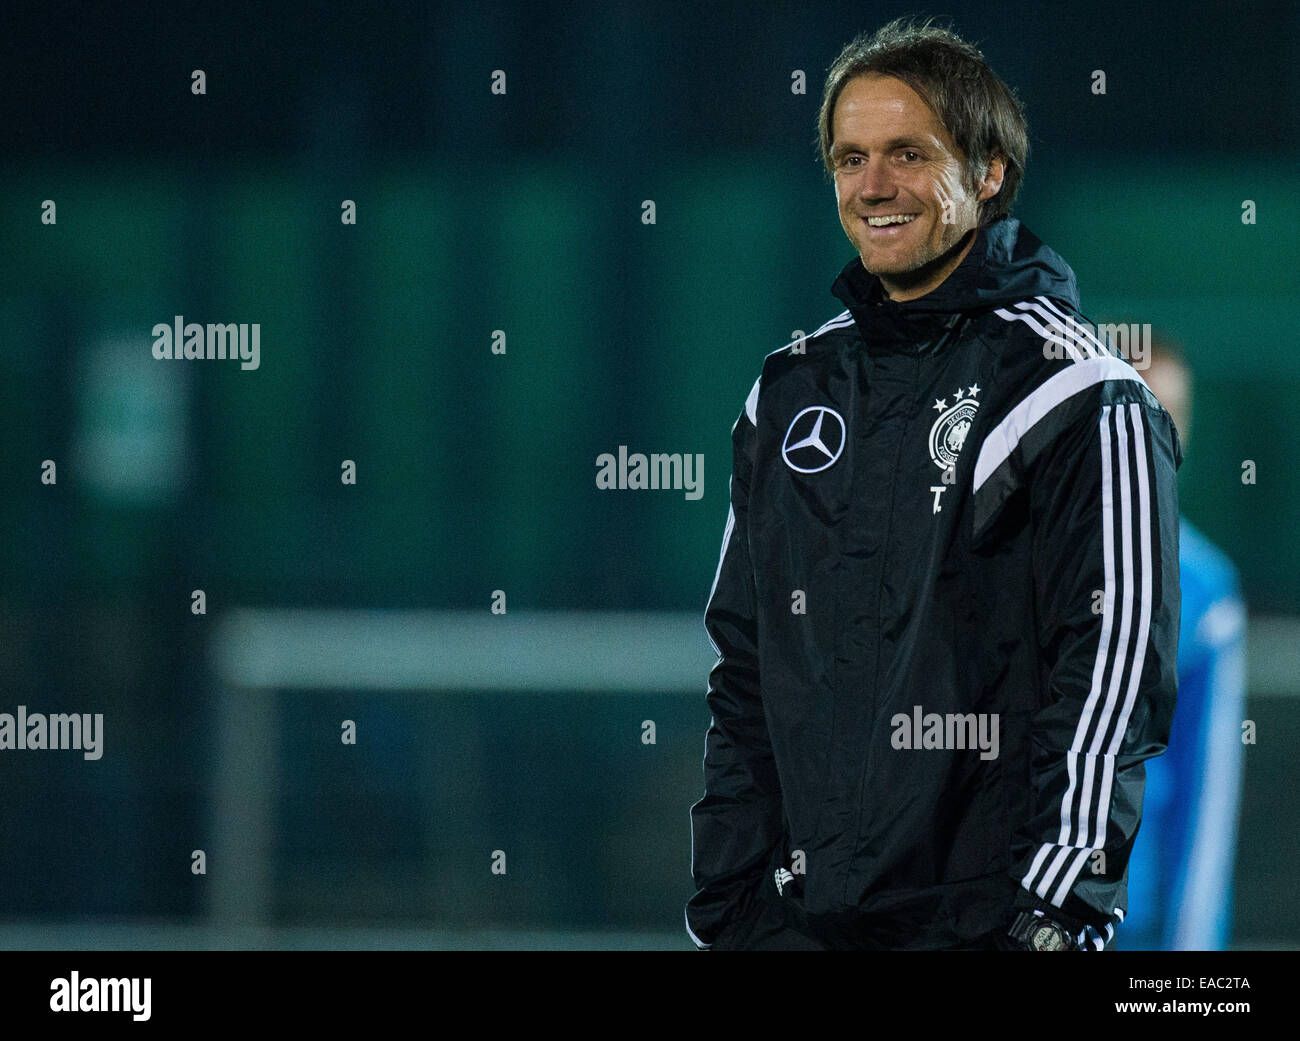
{"type": "Point", "coordinates": [888, 226]}
{"type": "Point", "coordinates": [891, 218]}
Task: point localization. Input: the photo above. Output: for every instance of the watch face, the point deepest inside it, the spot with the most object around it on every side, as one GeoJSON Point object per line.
{"type": "Point", "coordinates": [1047, 937]}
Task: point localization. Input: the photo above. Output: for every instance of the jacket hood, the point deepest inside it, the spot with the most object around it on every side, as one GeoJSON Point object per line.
{"type": "Point", "coordinates": [1006, 263]}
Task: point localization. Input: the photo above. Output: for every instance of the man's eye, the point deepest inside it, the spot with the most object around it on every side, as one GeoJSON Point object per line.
{"type": "Point", "coordinates": [911, 156]}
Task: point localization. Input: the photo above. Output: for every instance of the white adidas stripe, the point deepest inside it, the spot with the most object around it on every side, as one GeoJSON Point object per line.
{"type": "Point", "coordinates": [1067, 839]}
{"type": "Point", "coordinates": [1082, 331]}
{"type": "Point", "coordinates": [726, 542]}
{"type": "Point", "coordinates": [689, 931]}
{"type": "Point", "coordinates": [1050, 333]}
{"type": "Point", "coordinates": [840, 321]}
{"type": "Point", "coordinates": [1096, 784]}
{"type": "Point", "coordinates": [1003, 439]}
{"type": "Point", "coordinates": [1143, 487]}
{"type": "Point", "coordinates": [751, 404]}
{"type": "Point", "coordinates": [1055, 325]}
{"type": "Point", "coordinates": [1061, 323]}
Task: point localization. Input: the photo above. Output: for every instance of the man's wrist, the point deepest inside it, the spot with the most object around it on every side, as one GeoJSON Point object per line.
{"type": "Point", "coordinates": [1037, 931]}
{"type": "Point", "coordinates": [1026, 901]}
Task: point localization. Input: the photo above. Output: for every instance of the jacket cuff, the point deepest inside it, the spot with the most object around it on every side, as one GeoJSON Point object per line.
{"type": "Point", "coordinates": [1027, 901]}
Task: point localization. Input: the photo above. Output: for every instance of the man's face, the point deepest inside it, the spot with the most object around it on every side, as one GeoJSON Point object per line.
{"type": "Point", "coordinates": [893, 158]}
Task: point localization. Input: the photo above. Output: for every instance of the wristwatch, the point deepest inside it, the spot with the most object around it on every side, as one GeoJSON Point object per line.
{"type": "Point", "coordinates": [1037, 932]}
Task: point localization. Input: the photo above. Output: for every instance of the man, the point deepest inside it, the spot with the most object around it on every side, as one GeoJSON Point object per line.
{"type": "Point", "coordinates": [946, 606]}
{"type": "Point", "coordinates": [1180, 874]}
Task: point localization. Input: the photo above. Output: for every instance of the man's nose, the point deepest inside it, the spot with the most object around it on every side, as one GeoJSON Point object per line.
{"type": "Point", "coordinates": [876, 180]}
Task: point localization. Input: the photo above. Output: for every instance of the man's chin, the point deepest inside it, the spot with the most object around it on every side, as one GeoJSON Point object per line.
{"type": "Point", "coordinates": [891, 267]}
{"type": "Point", "coordinates": [913, 269]}
{"type": "Point", "coordinates": [887, 269]}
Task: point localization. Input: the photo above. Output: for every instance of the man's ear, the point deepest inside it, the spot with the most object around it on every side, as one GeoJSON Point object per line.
{"type": "Point", "coordinates": [992, 182]}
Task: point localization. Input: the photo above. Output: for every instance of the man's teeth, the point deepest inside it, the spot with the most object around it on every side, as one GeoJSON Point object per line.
{"type": "Point", "coordinates": [897, 218]}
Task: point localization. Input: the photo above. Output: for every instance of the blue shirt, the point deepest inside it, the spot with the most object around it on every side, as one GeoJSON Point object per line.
{"type": "Point", "coordinates": [1180, 871]}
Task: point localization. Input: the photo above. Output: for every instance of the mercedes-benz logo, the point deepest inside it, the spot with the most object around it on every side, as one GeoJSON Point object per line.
{"type": "Point", "coordinates": [814, 441]}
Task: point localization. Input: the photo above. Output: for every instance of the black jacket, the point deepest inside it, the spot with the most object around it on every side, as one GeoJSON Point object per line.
{"type": "Point", "coordinates": [959, 508]}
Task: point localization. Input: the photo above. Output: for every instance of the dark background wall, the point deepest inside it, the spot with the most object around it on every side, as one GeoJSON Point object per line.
{"type": "Point", "coordinates": [518, 212]}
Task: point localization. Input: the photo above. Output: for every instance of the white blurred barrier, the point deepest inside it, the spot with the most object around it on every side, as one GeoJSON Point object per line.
{"type": "Point", "coordinates": [256, 653]}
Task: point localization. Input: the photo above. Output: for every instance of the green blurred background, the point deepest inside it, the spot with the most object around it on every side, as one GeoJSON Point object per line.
{"type": "Point", "coordinates": [523, 213]}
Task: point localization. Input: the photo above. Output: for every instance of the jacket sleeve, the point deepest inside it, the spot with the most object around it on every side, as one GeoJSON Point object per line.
{"type": "Point", "coordinates": [737, 823]}
{"type": "Point", "coordinates": [1103, 506]}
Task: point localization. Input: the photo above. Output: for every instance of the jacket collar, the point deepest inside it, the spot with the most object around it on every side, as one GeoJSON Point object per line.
{"type": "Point", "coordinates": [1006, 263]}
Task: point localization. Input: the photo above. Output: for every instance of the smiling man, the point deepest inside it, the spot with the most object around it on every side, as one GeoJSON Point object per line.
{"type": "Point", "coordinates": [900, 179]}
{"type": "Point", "coordinates": [946, 608]}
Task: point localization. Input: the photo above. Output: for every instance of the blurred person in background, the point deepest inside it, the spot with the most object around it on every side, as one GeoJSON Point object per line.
{"type": "Point", "coordinates": [1180, 871]}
